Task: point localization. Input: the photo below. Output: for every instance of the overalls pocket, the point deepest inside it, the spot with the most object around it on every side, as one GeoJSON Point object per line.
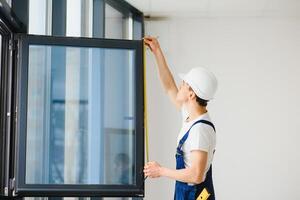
{"type": "Point", "coordinates": [184, 192]}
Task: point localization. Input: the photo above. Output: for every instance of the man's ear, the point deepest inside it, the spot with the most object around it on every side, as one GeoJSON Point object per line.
{"type": "Point", "coordinates": [192, 95]}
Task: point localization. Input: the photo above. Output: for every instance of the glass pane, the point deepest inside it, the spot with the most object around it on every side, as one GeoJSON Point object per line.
{"type": "Point", "coordinates": [80, 116]}
{"type": "Point", "coordinates": [39, 17]}
{"type": "Point", "coordinates": [79, 18]}
{"type": "Point", "coordinates": [115, 23]}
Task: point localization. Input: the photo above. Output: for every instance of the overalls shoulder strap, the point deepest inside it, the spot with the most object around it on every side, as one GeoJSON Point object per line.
{"type": "Point", "coordinates": [183, 139]}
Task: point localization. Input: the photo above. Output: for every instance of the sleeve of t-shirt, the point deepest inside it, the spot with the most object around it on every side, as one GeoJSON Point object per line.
{"type": "Point", "coordinates": [199, 138]}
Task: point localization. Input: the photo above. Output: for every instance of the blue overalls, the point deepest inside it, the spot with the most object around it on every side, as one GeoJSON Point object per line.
{"type": "Point", "coordinates": [183, 191]}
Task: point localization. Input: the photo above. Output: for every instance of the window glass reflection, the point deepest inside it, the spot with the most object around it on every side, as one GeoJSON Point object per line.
{"type": "Point", "coordinates": [80, 116]}
{"type": "Point", "coordinates": [115, 23]}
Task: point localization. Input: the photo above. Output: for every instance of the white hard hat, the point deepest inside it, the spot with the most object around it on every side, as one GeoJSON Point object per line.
{"type": "Point", "coordinates": [203, 82]}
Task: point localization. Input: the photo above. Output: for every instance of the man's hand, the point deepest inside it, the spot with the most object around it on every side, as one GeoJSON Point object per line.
{"type": "Point", "coordinates": [152, 43]}
{"type": "Point", "coordinates": [153, 170]}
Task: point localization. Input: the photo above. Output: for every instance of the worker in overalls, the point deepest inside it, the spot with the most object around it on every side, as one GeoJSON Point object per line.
{"type": "Point", "coordinates": [197, 139]}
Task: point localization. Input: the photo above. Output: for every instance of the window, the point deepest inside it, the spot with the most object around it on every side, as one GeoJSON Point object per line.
{"type": "Point", "coordinates": [113, 21]}
{"type": "Point", "coordinates": [71, 102]}
{"type": "Point", "coordinates": [81, 116]}
{"type": "Point", "coordinates": [123, 21]}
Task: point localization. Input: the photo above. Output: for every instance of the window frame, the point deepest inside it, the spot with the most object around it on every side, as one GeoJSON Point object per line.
{"type": "Point", "coordinates": [9, 24]}
{"type": "Point", "coordinates": [5, 74]}
{"type": "Point", "coordinates": [16, 18]}
{"type": "Point", "coordinates": [77, 190]}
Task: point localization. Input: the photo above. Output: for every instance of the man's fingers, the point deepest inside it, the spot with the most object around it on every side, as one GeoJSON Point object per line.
{"type": "Point", "coordinates": [149, 46]}
{"type": "Point", "coordinates": [147, 165]}
{"type": "Point", "coordinates": [148, 41]}
{"type": "Point", "coordinates": [148, 38]}
{"type": "Point", "coordinates": [147, 173]}
{"type": "Point", "coordinates": [150, 164]}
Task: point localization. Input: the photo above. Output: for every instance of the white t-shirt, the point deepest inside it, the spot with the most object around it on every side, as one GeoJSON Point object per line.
{"type": "Point", "coordinates": [201, 137]}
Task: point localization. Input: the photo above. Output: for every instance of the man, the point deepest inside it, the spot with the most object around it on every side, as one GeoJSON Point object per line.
{"type": "Point", "coordinates": [197, 139]}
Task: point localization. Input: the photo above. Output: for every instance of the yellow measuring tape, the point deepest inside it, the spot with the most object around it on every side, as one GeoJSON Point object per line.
{"type": "Point", "coordinates": [145, 106]}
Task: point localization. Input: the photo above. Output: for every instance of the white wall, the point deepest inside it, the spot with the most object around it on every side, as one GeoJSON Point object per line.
{"type": "Point", "coordinates": [256, 110]}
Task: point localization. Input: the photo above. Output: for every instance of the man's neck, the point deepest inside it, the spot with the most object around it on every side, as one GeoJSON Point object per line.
{"type": "Point", "coordinates": [195, 112]}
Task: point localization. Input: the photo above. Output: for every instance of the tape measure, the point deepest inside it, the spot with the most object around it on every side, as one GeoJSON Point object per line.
{"type": "Point", "coordinates": [145, 106]}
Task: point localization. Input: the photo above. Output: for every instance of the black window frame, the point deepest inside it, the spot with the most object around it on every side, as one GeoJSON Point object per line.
{"type": "Point", "coordinates": [5, 78]}
{"type": "Point", "coordinates": [68, 190]}
{"type": "Point", "coordinates": [15, 20]}
{"type": "Point", "coordinates": [9, 24]}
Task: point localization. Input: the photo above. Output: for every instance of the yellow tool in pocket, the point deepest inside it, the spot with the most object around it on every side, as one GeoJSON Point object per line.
{"type": "Point", "coordinates": [203, 195]}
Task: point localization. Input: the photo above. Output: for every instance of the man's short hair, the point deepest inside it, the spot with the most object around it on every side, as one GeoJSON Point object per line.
{"type": "Point", "coordinates": [201, 102]}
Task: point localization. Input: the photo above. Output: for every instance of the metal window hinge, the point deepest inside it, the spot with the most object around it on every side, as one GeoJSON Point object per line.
{"type": "Point", "coordinates": [16, 49]}
{"type": "Point", "coordinates": [6, 191]}
{"type": "Point", "coordinates": [10, 189]}
{"type": "Point", "coordinates": [13, 45]}
{"type": "Point", "coordinates": [16, 114]}
{"type": "Point", "coordinates": [12, 184]}
{"type": "Point", "coordinates": [10, 45]}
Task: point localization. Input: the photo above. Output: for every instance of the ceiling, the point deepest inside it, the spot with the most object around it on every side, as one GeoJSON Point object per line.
{"type": "Point", "coordinates": [215, 8]}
